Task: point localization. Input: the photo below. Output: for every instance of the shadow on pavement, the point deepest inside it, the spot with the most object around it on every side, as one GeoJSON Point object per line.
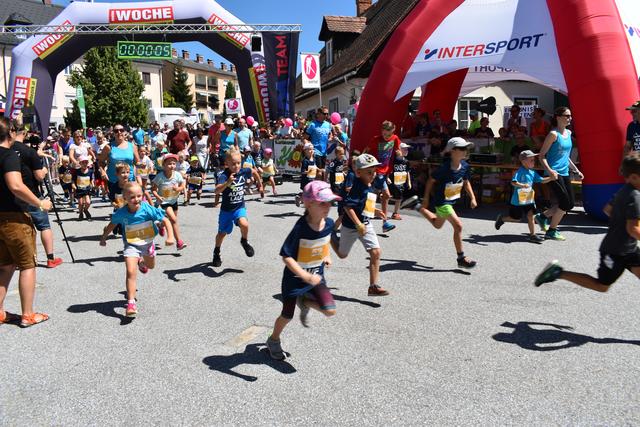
{"type": "Point", "coordinates": [75, 239]}
{"type": "Point", "coordinates": [279, 202]}
{"type": "Point", "coordinates": [283, 215]}
{"type": "Point", "coordinates": [406, 265]}
{"type": "Point", "coordinates": [254, 354]}
{"type": "Point", "coordinates": [477, 239]}
{"type": "Point", "coordinates": [337, 297]}
{"type": "Point", "coordinates": [90, 261]}
{"type": "Point", "coordinates": [107, 309]}
{"type": "Point", "coordinates": [528, 338]}
{"type": "Point", "coordinates": [202, 268]}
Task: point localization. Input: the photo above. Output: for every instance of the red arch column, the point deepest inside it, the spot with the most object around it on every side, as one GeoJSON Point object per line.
{"type": "Point", "coordinates": [442, 94]}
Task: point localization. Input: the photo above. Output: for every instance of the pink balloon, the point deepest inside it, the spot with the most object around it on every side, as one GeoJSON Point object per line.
{"type": "Point", "coordinates": [250, 120]}
{"type": "Point", "coordinates": [288, 122]}
{"type": "Point", "coordinates": [335, 118]}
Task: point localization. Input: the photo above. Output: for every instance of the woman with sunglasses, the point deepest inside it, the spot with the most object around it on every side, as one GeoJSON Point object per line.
{"type": "Point", "coordinates": [555, 158]}
{"type": "Point", "coordinates": [121, 150]}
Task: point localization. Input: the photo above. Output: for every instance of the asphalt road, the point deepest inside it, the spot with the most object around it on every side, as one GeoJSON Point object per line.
{"type": "Point", "coordinates": [445, 348]}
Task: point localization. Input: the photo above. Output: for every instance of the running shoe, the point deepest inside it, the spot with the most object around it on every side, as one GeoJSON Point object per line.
{"type": "Point", "coordinates": [377, 291]}
{"type": "Point", "coordinates": [551, 273]}
{"type": "Point", "coordinates": [387, 227]}
{"type": "Point", "coordinates": [409, 203]}
{"type": "Point", "coordinates": [217, 261]}
{"type": "Point", "coordinates": [142, 267]}
{"type": "Point", "coordinates": [87, 214]}
{"type": "Point", "coordinates": [304, 312]}
{"type": "Point", "coordinates": [554, 235]}
{"type": "Point", "coordinates": [132, 309]}
{"type": "Point", "coordinates": [499, 222]}
{"type": "Point", "coordinates": [396, 216]}
{"type": "Point", "coordinates": [181, 245]}
{"type": "Point", "coordinates": [275, 349]}
{"type": "Point", "coordinates": [466, 262]}
{"type": "Point", "coordinates": [248, 249]}
{"type": "Point", "coordinates": [542, 221]}
{"type": "Point", "coordinates": [53, 263]}
{"type": "Point", "coordinates": [534, 238]}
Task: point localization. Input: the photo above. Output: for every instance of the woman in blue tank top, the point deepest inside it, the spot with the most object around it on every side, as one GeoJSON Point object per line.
{"type": "Point", "coordinates": [555, 156]}
{"type": "Point", "coordinates": [120, 151]}
{"type": "Point", "coordinates": [228, 138]}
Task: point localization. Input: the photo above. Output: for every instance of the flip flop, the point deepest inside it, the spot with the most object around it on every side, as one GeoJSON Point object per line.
{"type": "Point", "coordinates": [6, 317]}
{"type": "Point", "coordinates": [33, 319]}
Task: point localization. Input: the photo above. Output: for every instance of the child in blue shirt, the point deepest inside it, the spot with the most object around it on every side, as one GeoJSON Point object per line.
{"type": "Point", "coordinates": [137, 220]}
{"type": "Point", "coordinates": [349, 179]}
{"type": "Point", "coordinates": [400, 179]}
{"type": "Point", "coordinates": [308, 170]}
{"type": "Point", "coordinates": [231, 184]}
{"type": "Point", "coordinates": [166, 188]}
{"type": "Point", "coordinates": [305, 253]}
{"type": "Point", "coordinates": [449, 181]}
{"type": "Point", "coordinates": [523, 198]}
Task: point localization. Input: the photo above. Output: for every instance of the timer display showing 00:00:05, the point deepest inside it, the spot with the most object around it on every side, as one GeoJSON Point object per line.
{"type": "Point", "coordinates": [144, 50]}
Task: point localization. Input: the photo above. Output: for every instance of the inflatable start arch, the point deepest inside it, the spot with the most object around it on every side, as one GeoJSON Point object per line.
{"type": "Point", "coordinates": [588, 49]}
{"type": "Point", "coordinates": [266, 77]}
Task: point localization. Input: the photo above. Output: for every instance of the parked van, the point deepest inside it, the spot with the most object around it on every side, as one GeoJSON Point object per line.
{"type": "Point", "coordinates": [169, 115]}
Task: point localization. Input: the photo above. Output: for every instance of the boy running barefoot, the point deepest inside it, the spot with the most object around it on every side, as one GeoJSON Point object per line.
{"type": "Point", "coordinates": [137, 219]}
{"type": "Point", "coordinates": [619, 248]}
{"type": "Point", "coordinates": [449, 180]}
{"type": "Point", "coordinates": [359, 209]}
{"type": "Point", "coordinates": [232, 183]}
{"type": "Point", "coordinates": [305, 254]}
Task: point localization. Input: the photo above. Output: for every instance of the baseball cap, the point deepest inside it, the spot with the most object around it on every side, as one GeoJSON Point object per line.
{"type": "Point", "coordinates": [170, 156]}
{"type": "Point", "coordinates": [255, 124]}
{"type": "Point", "coordinates": [228, 121]}
{"type": "Point", "coordinates": [526, 154]}
{"type": "Point", "coordinates": [635, 106]}
{"type": "Point", "coordinates": [83, 159]}
{"type": "Point", "coordinates": [193, 159]}
{"type": "Point", "coordinates": [457, 142]}
{"type": "Point", "coordinates": [365, 161]}
{"type": "Point", "coordinates": [268, 151]}
{"type": "Point", "coordinates": [307, 146]}
{"type": "Point", "coordinates": [319, 191]}
{"type": "Point", "coordinates": [403, 145]}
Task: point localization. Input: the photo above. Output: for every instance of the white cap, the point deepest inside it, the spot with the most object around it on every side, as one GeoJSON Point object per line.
{"type": "Point", "coordinates": [403, 145]}
{"type": "Point", "coordinates": [365, 161]}
{"type": "Point", "coordinates": [228, 121]}
{"type": "Point", "coordinates": [457, 142]}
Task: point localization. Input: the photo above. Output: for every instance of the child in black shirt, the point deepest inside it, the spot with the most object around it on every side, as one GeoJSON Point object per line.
{"type": "Point", "coordinates": [400, 179]}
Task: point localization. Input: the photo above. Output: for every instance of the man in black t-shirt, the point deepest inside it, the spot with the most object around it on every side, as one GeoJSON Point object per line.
{"type": "Point", "coordinates": [632, 142]}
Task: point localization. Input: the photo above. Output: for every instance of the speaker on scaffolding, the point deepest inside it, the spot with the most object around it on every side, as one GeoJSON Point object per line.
{"type": "Point", "coordinates": [256, 43]}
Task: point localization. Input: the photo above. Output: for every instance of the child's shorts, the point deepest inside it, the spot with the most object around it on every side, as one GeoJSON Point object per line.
{"type": "Point", "coordinates": [194, 187]}
{"type": "Point", "coordinates": [396, 192]}
{"type": "Point", "coordinates": [612, 266]}
{"type": "Point", "coordinates": [380, 182]}
{"type": "Point", "coordinates": [66, 188]}
{"type": "Point", "coordinates": [138, 251]}
{"type": "Point", "coordinates": [444, 211]}
{"type": "Point", "coordinates": [320, 293]}
{"type": "Point", "coordinates": [81, 193]}
{"type": "Point", "coordinates": [228, 219]}
{"type": "Point", "coordinates": [348, 237]}
{"type": "Point", "coordinates": [173, 206]}
{"type": "Point", "coordinates": [517, 212]}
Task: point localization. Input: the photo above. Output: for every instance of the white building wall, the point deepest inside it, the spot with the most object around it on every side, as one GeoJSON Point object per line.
{"type": "Point", "coordinates": [340, 94]}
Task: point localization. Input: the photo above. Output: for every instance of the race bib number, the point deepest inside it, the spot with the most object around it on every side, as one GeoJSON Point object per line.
{"type": "Point", "coordinates": [195, 180]}
{"type": "Point", "coordinates": [119, 200]}
{"type": "Point", "coordinates": [370, 206]}
{"type": "Point", "coordinates": [167, 192]}
{"type": "Point", "coordinates": [339, 178]}
{"type": "Point", "coordinates": [143, 172]}
{"type": "Point", "coordinates": [140, 234]}
{"type": "Point", "coordinates": [399, 178]}
{"type": "Point", "coordinates": [247, 165]}
{"type": "Point", "coordinates": [526, 196]}
{"type": "Point", "coordinates": [67, 178]}
{"type": "Point", "coordinates": [312, 171]}
{"type": "Point", "coordinates": [312, 253]}
{"type": "Point", "coordinates": [83, 181]}
{"type": "Point", "coordinates": [452, 191]}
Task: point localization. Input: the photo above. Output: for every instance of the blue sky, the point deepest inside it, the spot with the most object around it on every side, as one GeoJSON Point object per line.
{"type": "Point", "coordinates": [307, 13]}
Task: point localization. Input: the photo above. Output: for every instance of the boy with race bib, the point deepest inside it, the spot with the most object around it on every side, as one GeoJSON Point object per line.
{"type": "Point", "coordinates": [195, 177]}
{"type": "Point", "coordinates": [166, 188]}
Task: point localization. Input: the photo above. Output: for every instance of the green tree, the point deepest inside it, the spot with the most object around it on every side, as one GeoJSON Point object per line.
{"type": "Point", "coordinates": [72, 118]}
{"type": "Point", "coordinates": [180, 90]}
{"type": "Point", "coordinates": [229, 92]}
{"type": "Point", "coordinates": [214, 102]}
{"type": "Point", "coordinates": [112, 89]}
{"type": "Point", "coordinates": [167, 100]}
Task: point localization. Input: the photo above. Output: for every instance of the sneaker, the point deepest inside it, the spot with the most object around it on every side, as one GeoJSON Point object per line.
{"type": "Point", "coordinates": [53, 263]}
{"type": "Point", "coordinates": [551, 273]}
{"type": "Point", "coordinates": [377, 291]}
{"type": "Point", "coordinates": [104, 198]}
{"type": "Point", "coordinates": [534, 238]}
{"type": "Point", "coordinates": [499, 222]}
{"type": "Point", "coordinates": [248, 249]}
{"type": "Point", "coordinates": [298, 200]}
{"type": "Point", "coordinates": [387, 227]}
{"type": "Point", "coordinates": [542, 221]}
{"type": "Point", "coordinates": [466, 262]}
{"type": "Point", "coordinates": [217, 261]}
{"type": "Point", "coordinates": [132, 309]}
{"type": "Point", "coordinates": [554, 235]}
{"type": "Point", "coordinates": [275, 349]}
{"type": "Point", "coordinates": [81, 215]}
{"type": "Point", "coordinates": [181, 245]}
{"type": "Point", "coordinates": [87, 214]}
{"type": "Point", "coordinates": [304, 312]}
{"type": "Point", "coordinates": [142, 267]}
{"type": "Point", "coordinates": [409, 203]}
{"type": "Point", "coordinates": [396, 216]}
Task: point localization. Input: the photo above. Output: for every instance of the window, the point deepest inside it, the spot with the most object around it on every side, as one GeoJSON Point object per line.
{"type": "Point", "coordinates": [212, 83]}
{"type": "Point", "coordinates": [201, 81]}
{"type": "Point", "coordinates": [465, 105]}
{"type": "Point", "coordinates": [328, 52]}
{"type": "Point", "coordinates": [522, 101]}
{"type": "Point", "coordinates": [334, 105]}
{"type": "Point", "coordinates": [201, 100]}
{"type": "Point", "coordinates": [353, 99]}
{"type": "Point", "coordinates": [68, 69]}
{"type": "Point", "coordinates": [146, 78]}
{"type": "Point", "coordinates": [68, 101]}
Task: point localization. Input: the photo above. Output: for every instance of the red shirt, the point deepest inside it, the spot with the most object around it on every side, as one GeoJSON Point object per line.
{"type": "Point", "coordinates": [178, 140]}
{"type": "Point", "coordinates": [386, 152]}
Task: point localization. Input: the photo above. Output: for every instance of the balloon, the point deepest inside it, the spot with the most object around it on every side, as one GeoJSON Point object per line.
{"type": "Point", "coordinates": [250, 120]}
{"type": "Point", "coordinates": [335, 118]}
{"type": "Point", "coordinates": [288, 122]}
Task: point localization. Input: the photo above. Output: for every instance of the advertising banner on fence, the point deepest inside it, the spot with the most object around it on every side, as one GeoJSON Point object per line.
{"type": "Point", "coordinates": [287, 154]}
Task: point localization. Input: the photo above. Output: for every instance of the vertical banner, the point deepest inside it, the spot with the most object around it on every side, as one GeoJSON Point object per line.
{"type": "Point", "coordinates": [81, 106]}
{"type": "Point", "coordinates": [279, 53]}
{"type": "Point", "coordinates": [310, 70]}
{"type": "Point", "coordinates": [24, 94]}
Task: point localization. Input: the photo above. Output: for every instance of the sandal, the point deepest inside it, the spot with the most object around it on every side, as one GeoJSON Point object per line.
{"type": "Point", "coordinates": [33, 319]}
{"type": "Point", "coordinates": [6, 317]}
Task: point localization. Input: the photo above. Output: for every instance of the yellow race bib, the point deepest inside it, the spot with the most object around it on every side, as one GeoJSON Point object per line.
{"type": "Point", "coordinates": [67, 178]}
{"type": "Point", "coordinates": [195, 180]}
{"type": "Point", "coordinates": [167, 192]}
{"type": "Point", "coordinates": [312, 253]}
{"type": "Point", "coordinates": [83, 181]}
{"type": "Point", "coordinates": [247, 165]}
{"type": "Point", "coordinates": [312, 172]}
{"type": "Point", "coordinates": [369, 210]}
{"type": "Point", "coordinates": [140, 234]}
{"type": "Point", "coordinates": [399, 178]}
{"type": "Point", "coordinates": [143, 171]}
{"type": "Point", "coordinates": [339, 178]}
{"type": "Point", "coordinates": [526, 196]}
{"type": "Point", "coordinates": [452, 191]}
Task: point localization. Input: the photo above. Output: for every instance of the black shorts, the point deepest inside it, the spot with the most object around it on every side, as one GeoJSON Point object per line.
{"type": "Point", "coordinates": [563, 191]}
{"type": "Point", "coordinates": [320, 293]}
{"type": "Point", "coordinates": [612, 266]}
{"type": "Point", "coordinates": [517, 212]}
{"type": "Point", "coordinates": [173, 206]}
{"type": "Point", "coordinates": [396, 192]}
{"type": "Point", "coordinates": [193, 187]}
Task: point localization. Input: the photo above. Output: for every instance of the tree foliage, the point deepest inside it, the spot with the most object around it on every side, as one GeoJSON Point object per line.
{"type": "Point", "coordinates": [167, 100]}
{"type": "Point", "coordinates": [180, 91]}
{"type": "Point", "coordinates": [112, 89]}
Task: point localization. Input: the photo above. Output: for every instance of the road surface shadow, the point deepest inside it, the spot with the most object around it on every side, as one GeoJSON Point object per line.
{"type": "Point", "coordinates": [75, 239]}
{"type": "Point", "coordinates": [477, 239]}
{"type": "Point", "coordinates": [202, 268]}
{"type": "Point", "coordinates": [279, 202]}
{"type": "Point", "coordinates": [341, 298]}
{"type": "Point", "coordinates": [107, 308]}
{"type": "Point", "coordinates": [254, 354]}
{"type": "Point", "coordinates": [558, 338]}
{"type": "Point", "coordinates": [283, 215]}
{"type": "Point", "coordinates": [406, 265]}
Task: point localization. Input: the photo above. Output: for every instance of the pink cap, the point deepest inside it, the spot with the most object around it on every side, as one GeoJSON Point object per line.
{"type": "Point", "coordinates": [268, 151]}
{"type": "Point", "coordinates": [319, 191]}
{"type": "Point", "coordinates": [170, 156]}
{"type": "Point", "coordinates": [83, 159]}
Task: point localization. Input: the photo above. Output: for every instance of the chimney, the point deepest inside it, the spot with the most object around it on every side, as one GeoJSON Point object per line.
{"type": "Point", "coordinates": [199, 58]}
{"type": "Point", "coordinates": [232, 68]}
{"type": "Point", "coordinates": [185, 55]}
{"type": "Point", "coordinates": [174, 53]}
{"type": "Point", "coordinates": [223, 66]}
{"type": "Point", "coordinates": [209, 62]}
{"type": "Point", "coordinates": [362, 6]}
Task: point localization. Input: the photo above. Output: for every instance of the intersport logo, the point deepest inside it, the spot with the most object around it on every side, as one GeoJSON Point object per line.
{"type": "Point", "coordinates": [484, 49]}
{"type": "Point", "coordinates": [148, 15]}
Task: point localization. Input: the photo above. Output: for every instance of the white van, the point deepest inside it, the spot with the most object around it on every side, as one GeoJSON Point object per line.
{"type": "Point", "coordinates": [169, 115]}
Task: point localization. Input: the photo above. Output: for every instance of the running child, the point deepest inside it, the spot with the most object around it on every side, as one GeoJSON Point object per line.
{"type": "Point", "coordinates": [449, 181]}
{"type": "Point", "coordinates": [359, 207]}
{"type": "Point", "coordinates": [401, 179]}
{"type": "Point", "coordinates": [523, 202]}
{"type": "Point", "coordinates": [181, 168]}
{"type": "Point", "coordinates": [248, 162]}
{"type": "Point", "coordinates": [336, 171]}
{"type": "Point", "coordinates": [269, 171]}
{"type": "Point", "coordinates": [166, 188]}
{"type": "Point", "coordinates": [83, 186]}
{"type": "Point", "coordinates": [196, 175]}
{"type": "Point", "coordinates": [619, 249]}
{"type": "Point", "coordinates": [305, 254]}
{"type": "Point", "coordinates": [144, 170]}
{"type": "Point", "coordinates": [65, 172]}
{"type": "Point", "coordinates": [138, 220]}
{"type": "Point", "coordinates": [308, 170]}
{"type": "Point", "coordinates": [232, 183]}
{"type": "Point", "coordinates": [388, 145]}
{"type": "Point", "coordinates": [349, 179]}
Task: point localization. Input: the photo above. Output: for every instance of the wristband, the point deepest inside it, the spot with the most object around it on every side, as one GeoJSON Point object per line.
{"type": "Point", "coordinates": [360, 227]}
{"type": "Point", "coordinates": [40, 207]}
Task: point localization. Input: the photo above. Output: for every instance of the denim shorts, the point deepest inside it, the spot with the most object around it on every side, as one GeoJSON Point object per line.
{"type": "Point", "coordinates": [380, 182]}
{"type": "Point", "coordinates": [40, 218]}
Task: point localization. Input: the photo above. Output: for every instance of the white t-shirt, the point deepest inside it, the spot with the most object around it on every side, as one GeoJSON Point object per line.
{"type": "Point", "coordinates": [201, 144]}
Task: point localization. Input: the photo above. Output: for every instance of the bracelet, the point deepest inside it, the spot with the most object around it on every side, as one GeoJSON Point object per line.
{"type": "Point", "coordinates": [40, 207]}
